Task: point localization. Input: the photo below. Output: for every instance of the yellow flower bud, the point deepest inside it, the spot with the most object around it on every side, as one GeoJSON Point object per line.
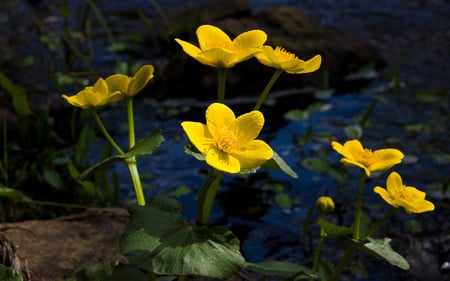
{"type": "Point", "coordinates": [325, 204]}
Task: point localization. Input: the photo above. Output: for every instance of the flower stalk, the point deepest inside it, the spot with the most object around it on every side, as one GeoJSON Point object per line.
{"type": "Point", "coordinates": [268, 87]}
{"type": "Point", "coordinates": [357, 222]}
{"type": "Point", "coordinates": [207, 196]}
{"type": "Point", "coordinates": [221, 84]}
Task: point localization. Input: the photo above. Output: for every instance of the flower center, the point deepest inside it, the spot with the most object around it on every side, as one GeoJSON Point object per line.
{"type": "Point", "coordinates": [284, 55]}
{"type": "Point", "coordinates": [403, 194]}
{"type": "Point", "coordinates": [227, 140]}
{"type": "Point", "coordinates": [366, 157]}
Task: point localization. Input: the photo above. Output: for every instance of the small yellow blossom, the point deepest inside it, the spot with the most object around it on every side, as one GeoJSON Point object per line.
{"type": "Point", "coordinates": [130, 86]}
{"type": "Point", "coordinates": [92, 96]}
{"type": "Point", "coordinates": [228, 142]}
{"type": "Point", "coordinates": [279, 58]}
{"type": "Point", "coordinates": [356, 155]}
{"type": "Point", "coordinates": [399, 195]}
{"type": "Point", "coordinates": [325, 204]}
{"type": "Point", "coordinates": [216, 49]}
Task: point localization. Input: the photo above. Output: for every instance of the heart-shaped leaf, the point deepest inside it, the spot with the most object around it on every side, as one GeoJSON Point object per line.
{"type": "Point", "coordinates": [158, 240]}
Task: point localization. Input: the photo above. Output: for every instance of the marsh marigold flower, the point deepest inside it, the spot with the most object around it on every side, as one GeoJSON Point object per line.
{"type": "Point", "coordinates": [397, 195]}
{"type": "Point", "coordinates": [228, 142]}
{"type": "Point", "coordinates": [92, 96]}
{"type": "Point", "coordinates": [279, 58]}
{"type": "Point", "coordinates": [325, 204]}
{"type": "Point", "coordinates": [130, 86]}
{"type": "Point", "coordinates": [356, 155]}
{"type": "Point", "coordinates": [216, 49]}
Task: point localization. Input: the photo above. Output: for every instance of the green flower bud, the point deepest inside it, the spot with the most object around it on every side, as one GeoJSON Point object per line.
{"type": "Point", "coordinates": [325, 204]}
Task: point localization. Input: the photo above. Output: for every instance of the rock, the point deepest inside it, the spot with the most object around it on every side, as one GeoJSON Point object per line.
{"type": "Point", "coordinates": [50, 250]}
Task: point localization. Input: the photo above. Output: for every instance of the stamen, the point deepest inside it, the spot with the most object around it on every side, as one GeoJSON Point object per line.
{"type": "Point", "coordinates": [284, 55]}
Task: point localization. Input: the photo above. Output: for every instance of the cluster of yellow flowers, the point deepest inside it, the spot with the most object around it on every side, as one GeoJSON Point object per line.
{"type": "Point", "coordinates": [216, 49]}
{"type": "Point", "coordinates": [114, 88]}
{"type": "Point", "coordinates": [228, 143]}
{"type": "Point", "coordinates": [396, 193]}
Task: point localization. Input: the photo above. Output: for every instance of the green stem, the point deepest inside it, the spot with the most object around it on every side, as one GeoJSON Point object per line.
{"type": "Point", "coordinates": [267, 89]}
{"type": "Point", "coordinates": [132, 167]}
{"type": "Point", "coordinates": [130, 113]}
{"type": "Point", "coordinates": [317, 253]}
{"type": "Point", "coordinates": [131, 162]}
{"type": "Point", "coordinates": [221, 80]}
{"type": "Point", "coordinates": [207, 195]}
{"type": "Point", "coordinates": [105, 132]}
{"type": "Point", "coordinates": [374, 227]}
{"type": "Point", "coordinates": [357, 223]}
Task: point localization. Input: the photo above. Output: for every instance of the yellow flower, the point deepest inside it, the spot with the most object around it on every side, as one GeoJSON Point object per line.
{"type": "Point", "coordinates": [279, 58]}
{"type": "Point", "coordinates": [325, 204]}
{"type": "Point", "coordinates": [228, 142]}
{"type": "Point", "coordinates": [217, 50]}
{"type": "Point", "coordinates": [399, 195]}
{"type": "Point", "coordinates": [92, 96]}
{"type": "Point", "coordinates": [130, 86]}
{"type": "Point", "coordinates": [378, 160]}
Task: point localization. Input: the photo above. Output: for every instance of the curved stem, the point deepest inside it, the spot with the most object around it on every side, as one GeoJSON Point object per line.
{"type": "Point", "coordinates": [267, 89]}
{"type": "Point", "coordinates": [207, 195]}
{"type": "Point", "coordinates": [221, 81]}
{"type": "Point", "coordinates": [105, 132]}
{"type": "Point", "coordinates": [357, 223]}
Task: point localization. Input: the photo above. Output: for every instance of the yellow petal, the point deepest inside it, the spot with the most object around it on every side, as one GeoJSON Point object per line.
{"type": "Point", "coordinates": [219, 115]}
{"type": "Point", "coordinates": [250, 39]}
{"type": "Point", "coordinates": [267, 57]}
{"type": "Point", "coordinates": [189, 48]}
{"type": "Point", "coordinates": [249, 125]}
{"type": "Point", "coordinates": [305, 66]}
{"type": "Point", "coordinates": [394, 184]}
{"type": "Point", "coordinates": [198, 135]}
{"type": "Point", "coordinates": [350, 162]}
{"type": "Point", "coordinates": [386, 158]}
{"type": "Point", "coordinates": [344, 150]}
{"type": "Point", "coordinates": [223, 161]}
{"type": "Point", "coordinates": [218, 57]}
{"type": "Point", "coordinates": [210, 36]}
{"type": "Point", "coordinates": [118, 82]}
{"type": "Point", "coordinates": [101, 87]}
{"type": "Point", "coordinates": [140, 79]}
{"type": "Point", "coordinates": [385, 195]}
{"type": "Point", "coordinates": [254, 154]}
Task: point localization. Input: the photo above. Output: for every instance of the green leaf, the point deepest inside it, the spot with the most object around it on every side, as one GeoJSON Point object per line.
{"type": "Point", "coordinates": [382, 249]}
{"type": "Point", "coordinates": [7, 192]}
{"type": "Point", "coordinates": [158, 240]}
{"type": "Point", "coordinates": [19, 95]}
{"type": "Point", "coordinates": [278, 269]}
{"type": "Point", "coordinates": [277, 163]}
{"type": "Point", "coordinates": [145, 146]}
{"type": "Point", "coordinates": [333, 229]}
{"type": "Point", "coordinates": [93, 272]}
{"type": "Point", "coordinates": [8, 274]}
{"type": "Point", "coordinates": [52, 178]}
{"type": "Point", "coordinates": [284, 200]}
{"type": "Point", "coordinates": [107, 271]}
